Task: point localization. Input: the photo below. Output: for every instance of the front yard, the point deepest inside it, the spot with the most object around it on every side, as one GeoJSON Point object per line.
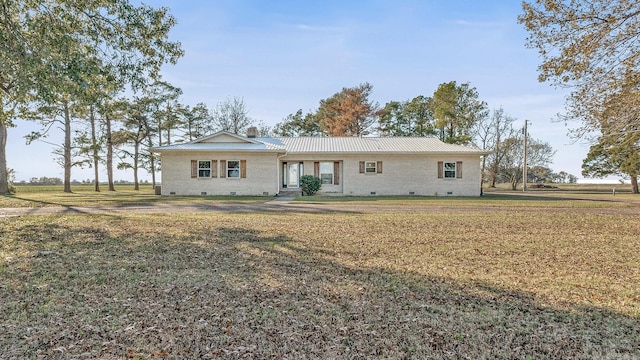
{"type": "Point", "coordinates": [522, 280]}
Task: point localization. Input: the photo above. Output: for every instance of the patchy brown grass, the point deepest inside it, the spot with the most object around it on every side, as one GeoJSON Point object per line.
{"type": "Point", "coordinates": [51, 196]}
{"type": "Point", "coordinates": [533, 200]}
{"type": "Point", "coordinates": [466, 283]}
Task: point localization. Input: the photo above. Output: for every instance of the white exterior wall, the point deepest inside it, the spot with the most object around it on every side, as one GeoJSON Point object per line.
{"type": "Point", "coordinates": [401, 175]}
{"type": "Point", "coordinates": [262, 175]}
{"type": "Point", "coordinates": [417, 174]}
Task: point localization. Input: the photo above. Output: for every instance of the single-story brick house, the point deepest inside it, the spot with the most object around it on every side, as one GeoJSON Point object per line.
{"type": "Point", "coordinates": [230, 164]}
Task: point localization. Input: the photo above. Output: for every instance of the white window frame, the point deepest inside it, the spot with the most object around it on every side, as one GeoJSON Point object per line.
{"type": "Point", "coordinates": [452, 173]}
{"type": "Point", "coordinates": [204, 168]}
{"type": "Point", "coordinates": [329, 165]}
{"type": "Point", "coordinates": [230, 169]}
{"type": "Point", "coordinates": [370, 169]}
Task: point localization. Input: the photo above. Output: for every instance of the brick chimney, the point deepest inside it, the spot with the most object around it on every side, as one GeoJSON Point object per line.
{"type": "Point", "coordinates": [252, 132]}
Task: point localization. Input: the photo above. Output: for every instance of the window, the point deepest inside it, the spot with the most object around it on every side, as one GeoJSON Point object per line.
{"type": "Point", "coordinates": [449, 170]}
{"type": "Point", "coordinates": [204, 168]}
{"type": "Point", "coordinates": [233, 169]}
{"type": "Point", "coordinates": [370, 167]}
{"type": "Point", "coordinates": [326, 173]}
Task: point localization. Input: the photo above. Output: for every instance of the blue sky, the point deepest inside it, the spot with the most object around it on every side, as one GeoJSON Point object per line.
{"type": "Point", "coordinates": [281, 56]}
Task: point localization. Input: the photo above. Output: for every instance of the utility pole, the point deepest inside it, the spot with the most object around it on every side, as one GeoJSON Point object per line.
{"type": "Point", "coordinates": [524, 163]}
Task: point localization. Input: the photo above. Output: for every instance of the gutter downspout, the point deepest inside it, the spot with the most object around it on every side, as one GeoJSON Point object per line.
{"type": "Point", "coordinates": [278, 173]}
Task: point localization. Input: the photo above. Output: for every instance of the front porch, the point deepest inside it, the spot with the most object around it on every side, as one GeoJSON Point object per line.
{"type": "Point", "coordinates": [329, 172]}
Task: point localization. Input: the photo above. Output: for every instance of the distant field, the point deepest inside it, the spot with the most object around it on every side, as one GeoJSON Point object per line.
{"type": "Point", "coordinates": [624, 188]}
{"type": "Point", "coordinates": [80, 188]}
{"type": "Point", "coordinates": [493, 277]}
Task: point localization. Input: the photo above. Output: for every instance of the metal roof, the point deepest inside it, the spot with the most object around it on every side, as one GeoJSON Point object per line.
{"type": "Point", "coordinates": [327, 145]}
{"type": "Point", "coordinates": [225, 147]}
{"type": "Point", "coordinates": [358, 145]}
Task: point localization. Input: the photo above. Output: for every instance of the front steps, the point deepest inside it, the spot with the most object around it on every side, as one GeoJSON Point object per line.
{"type": "Point", "coordinates": [290, 193]}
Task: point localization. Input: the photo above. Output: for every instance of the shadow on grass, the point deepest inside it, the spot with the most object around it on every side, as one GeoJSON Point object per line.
{"type": "Point", "coordinates": [423, 316]}
{"type": "Point", "coordinates": [227, 205]}
{"type": "Point", "coordinates": [563, 196]}
{"type": "Point", "coordinates": [32, 205]}
{"type": "Point", "coordinates": [488, 198]}
{"type": "Point", "coordinates": [116, 199]}
{"type": "Point", "coordinates": [232, 291]}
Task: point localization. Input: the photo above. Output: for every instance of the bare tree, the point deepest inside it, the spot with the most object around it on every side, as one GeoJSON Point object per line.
{"type": "Point", "coordinates": [231, 115]}
{"type": "Point", "coordinates": [490, 134]}
{"type": "Point", "coordinates": [539, 153]}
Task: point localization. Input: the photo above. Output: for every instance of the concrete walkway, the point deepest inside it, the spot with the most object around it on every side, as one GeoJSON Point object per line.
{"type": "Point", "coordinates": [281, 200]}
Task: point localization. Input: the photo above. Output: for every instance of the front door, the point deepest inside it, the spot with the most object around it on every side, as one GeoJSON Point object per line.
{"type": "Point", "coordinates": [293, 175]}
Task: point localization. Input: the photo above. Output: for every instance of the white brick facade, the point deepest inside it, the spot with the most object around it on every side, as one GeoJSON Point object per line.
{"type": "Point", "coordinates": [401, 175]}
{"type": "Point", "coordinates": [261, 175]}
{"type": "Point", "coordinates": [404, 166]}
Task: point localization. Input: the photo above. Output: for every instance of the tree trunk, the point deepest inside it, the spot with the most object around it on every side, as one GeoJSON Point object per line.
{"type": "Point", "coordinates": [109, 153]}
{"type": "Point", "coordinates": [450, 132]}
{"type": "Point", "coordinates": [168, 123]}
{"type": "Point", "coordinates": [493, 174]}
{"type": "Point", "coordinates": [137, 141]}
{"type": "Point", "coordinates": [514, 182]}
{"type": "Point", "coordinates": [136, 154]}
{"type": "Point", "coordinates": [493, 181]}
{"type": "Point", "coordinates": [153, 170]}
{"type": "Point", "coordinates": [67, 148]}
{"type": "Point", "coordinates": [634, 184]}
{"type": "Point", "coordinates": [94, 147]}
{"type": "Point", "coordinates": [4, 173]}
{"type": "Point", "coordinates": [152, 165]}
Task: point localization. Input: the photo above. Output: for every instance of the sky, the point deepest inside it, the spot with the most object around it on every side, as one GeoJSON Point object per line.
{"type": "Point", "coordinates": [281, 56]}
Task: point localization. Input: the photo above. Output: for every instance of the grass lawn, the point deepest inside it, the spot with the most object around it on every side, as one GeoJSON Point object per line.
{"type": "Point", "coordinates": [531, 278]}
{"type": "Point", "coordinates": [84, 195]}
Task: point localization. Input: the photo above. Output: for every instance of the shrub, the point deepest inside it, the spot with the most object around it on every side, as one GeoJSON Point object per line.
{"type": "Point", "coordinates": [310, 184]}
